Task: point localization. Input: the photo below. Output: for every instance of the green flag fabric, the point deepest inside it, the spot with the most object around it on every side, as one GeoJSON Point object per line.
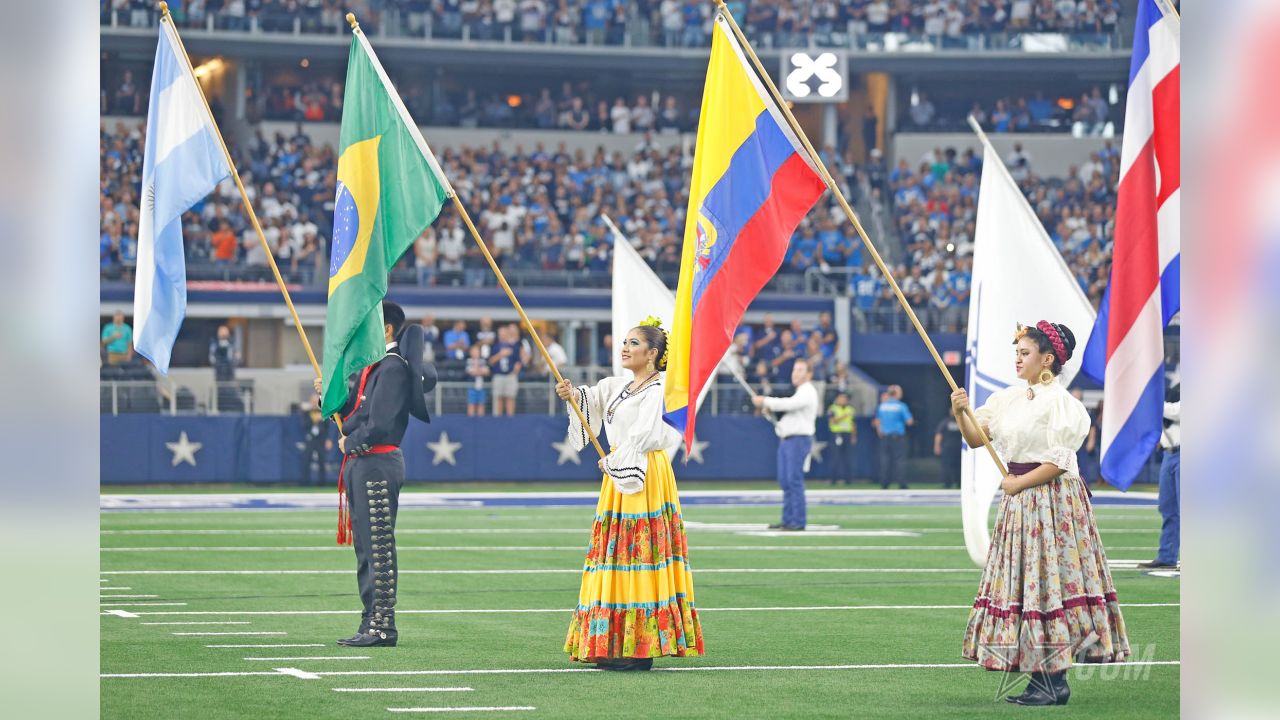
{"type": "Point", "coordinates": [387, 194]}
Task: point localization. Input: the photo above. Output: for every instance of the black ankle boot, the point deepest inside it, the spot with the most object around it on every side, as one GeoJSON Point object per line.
{"type": "Point", "coordinates": [1039, 691]}
{"type": "Point", "coordinates": [1061, 692]}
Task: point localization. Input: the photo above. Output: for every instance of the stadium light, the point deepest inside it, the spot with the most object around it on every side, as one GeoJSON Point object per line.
{"type": "Point", "coordinates": [208, 68]}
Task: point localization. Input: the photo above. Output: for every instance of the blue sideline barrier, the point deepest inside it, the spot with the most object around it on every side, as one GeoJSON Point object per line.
{"type": "Point", "coordinates": [264, 449]}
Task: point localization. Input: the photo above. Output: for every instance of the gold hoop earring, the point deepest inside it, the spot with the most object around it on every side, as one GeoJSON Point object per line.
{"type": "Point", "coordinates": [1046, 376]}
{"type": "Point", "coordinates": [651, 367]}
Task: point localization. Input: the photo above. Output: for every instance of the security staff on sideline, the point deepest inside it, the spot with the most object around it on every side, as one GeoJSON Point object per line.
{"type": "Point", "coordinates": [844, 435]}
{"type": "Point", "coordinates": [795, 440]}
{"type": "Point", "coordinates": [892, 419]}
{"type": "Point", "coordinates": [374, 420]}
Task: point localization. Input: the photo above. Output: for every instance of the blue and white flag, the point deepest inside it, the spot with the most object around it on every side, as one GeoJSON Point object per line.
{"type": "Point", "coordinates": [183, 162]}
{"type": "Point", "coordinates": [1018, 277]}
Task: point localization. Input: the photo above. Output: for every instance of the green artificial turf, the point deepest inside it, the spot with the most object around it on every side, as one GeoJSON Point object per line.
{"type": "Point", "coordinates": [739, 640]}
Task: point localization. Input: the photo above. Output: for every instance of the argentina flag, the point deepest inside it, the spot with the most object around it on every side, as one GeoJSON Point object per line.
{"type": "Point", "coordinates": [183, 162]}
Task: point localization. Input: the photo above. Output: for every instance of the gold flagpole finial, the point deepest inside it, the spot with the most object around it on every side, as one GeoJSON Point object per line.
{"type": "Point", "coordinates": [351, 18]}
{"type": "Point", "coordinates": [164, 8]}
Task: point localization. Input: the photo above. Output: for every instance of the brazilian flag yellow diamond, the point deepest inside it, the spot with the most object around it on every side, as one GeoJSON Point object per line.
{"type": "Point", "coordinates": [387, 194]}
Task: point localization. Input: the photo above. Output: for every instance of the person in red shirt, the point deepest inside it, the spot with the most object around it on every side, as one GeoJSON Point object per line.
{"type": "Point", "coordinates": [224, 243]}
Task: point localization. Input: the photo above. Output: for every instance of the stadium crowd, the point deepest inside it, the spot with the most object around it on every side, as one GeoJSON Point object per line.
{"type": "Point", "coordinates": [1088, 114]}
{"type": "Point", "coordinates": [579, 107]}
{"type": "Point", "coordinates": [670, 23]}
{"type": "Point", "coordinates": [539, 212]}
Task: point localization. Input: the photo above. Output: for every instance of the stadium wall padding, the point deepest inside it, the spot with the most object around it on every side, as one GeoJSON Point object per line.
{"type": "Point", "coordinates": [266, 449]}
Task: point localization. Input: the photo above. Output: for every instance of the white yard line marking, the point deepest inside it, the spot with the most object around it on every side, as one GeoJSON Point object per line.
{"type": "Point", "coordinates": [205, 623]}
{"type": "Point", "coordinates": [140, 604]}
{"type": "Point", "coordinates": [189, 675]}
{"type": "Point", "coordinates": [555, 671]}
{"type": "Point", "coordinates": [380, 690]}
{"type": "Point", "coordinates": [493, 708]}
{"type": "Point", "coordinates": [121, 613]}
{"type": "Point", "coordinates": [127, 596]}
{"type": "Point", "coordinates": [295, 672]}
{"type": "Point", "coordinates": [495, 611]}
{"type": "Point", "coordinates": [318, 657]}
{"type": "Point", "coordinates": [550, 571]}
{"type": "Point", "coordinates": [514, 548]}
{"type": "Point", "coordinates": [286, 645]}
{"type": "Point", "coordinates": [204, 634]}
{"type": "Point", "coordinates": [584, 530]}
{"type": "Point", "coordinates": [833, 533]}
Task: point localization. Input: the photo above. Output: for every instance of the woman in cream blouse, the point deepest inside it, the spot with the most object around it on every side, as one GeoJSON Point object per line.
{"type": "Point", "coordinates": [1046, 597]}
{"type": "Point", "coordinates": [636, 601]}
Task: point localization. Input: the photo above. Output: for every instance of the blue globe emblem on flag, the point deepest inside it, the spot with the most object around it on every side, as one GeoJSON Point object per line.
{"type": "Point", "coordinates": [346, 227]}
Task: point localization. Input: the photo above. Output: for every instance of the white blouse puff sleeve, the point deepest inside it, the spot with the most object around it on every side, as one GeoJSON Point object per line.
{"type": "Point", "coordinates": [1066, 427]}
{"type": "Point", "coordinates": [637, 429]}
{"type": "Point", "coordinates": [591, 400]}
{"type": "Point", "coordinates": [1048, 428]}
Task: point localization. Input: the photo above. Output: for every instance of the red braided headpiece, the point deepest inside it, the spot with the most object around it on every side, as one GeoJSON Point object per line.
{"type": "Point", "coordinates": [1059, 347]}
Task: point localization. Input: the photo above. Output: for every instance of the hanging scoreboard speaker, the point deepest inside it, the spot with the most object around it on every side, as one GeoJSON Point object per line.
{"type": "Point", "coordinates": [810, 76]}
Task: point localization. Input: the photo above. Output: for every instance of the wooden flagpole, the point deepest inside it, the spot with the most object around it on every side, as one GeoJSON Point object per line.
{"type": "Point", "coordinates": [475, 234]}
{"type": "Point", "coordinates": [166, 24]}
{"type": "Point", "coordinates": [853, 218]}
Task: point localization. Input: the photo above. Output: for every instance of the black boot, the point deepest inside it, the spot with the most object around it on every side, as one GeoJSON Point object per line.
{"type": "Point", "coordinates": [627, 664]}
{"type": "Point", "coordinates": [1061, 692]}
{"type": "Point", "coordinates": [1044, 689]}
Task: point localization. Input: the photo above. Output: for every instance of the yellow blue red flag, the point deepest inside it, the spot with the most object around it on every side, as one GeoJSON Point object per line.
{"type": "Point", "coordinates": [752, 184]}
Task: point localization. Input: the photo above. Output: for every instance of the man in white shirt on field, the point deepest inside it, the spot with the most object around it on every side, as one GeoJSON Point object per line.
{"type": "Point", "coordinates": [795, 440]}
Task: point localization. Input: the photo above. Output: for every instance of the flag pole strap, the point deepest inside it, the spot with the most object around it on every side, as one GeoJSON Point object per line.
{"type": "Point", "coordinates": [853, 218]}
{"type": "Point", "coordinates": [248, 206]}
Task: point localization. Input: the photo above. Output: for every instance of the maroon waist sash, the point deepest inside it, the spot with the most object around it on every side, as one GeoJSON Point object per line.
{"type": "Point", "coordinates": [1017, 468]}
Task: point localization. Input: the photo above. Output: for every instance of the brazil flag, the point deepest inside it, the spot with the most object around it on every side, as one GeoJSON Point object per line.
{"type": "Point", "coordinates": [389, 190]}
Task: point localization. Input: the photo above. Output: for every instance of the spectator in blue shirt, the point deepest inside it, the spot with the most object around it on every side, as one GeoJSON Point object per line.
{"type": "Point", "coordinates": [835, 249]}
{"type": "Point", "coordinates": [941, 304]}
{"type": "Point", "coordinates": [826, 334]}
{"type": "Point", "coordinates": [865, 287]}
{"type": "Point", "coordinates": [892, 419]}
{"type": "Point", "coordinates": [505, 364]}
{"type": "Point", "coordinates": [457, 341]}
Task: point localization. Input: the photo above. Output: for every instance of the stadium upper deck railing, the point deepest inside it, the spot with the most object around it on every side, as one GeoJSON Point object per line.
{"type": "Point", "coordinates": [635, 32]}
{"type": "Point", "coordinates": [535, 396]}
{"type": "Point", "coordinates": [478, 277]}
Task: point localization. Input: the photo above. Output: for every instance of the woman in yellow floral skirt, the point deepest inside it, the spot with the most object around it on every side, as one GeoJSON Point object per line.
{"type": "Point", "coordinates": [636, 601]}
{"type": "Point", "coordinates": [1046, 597]}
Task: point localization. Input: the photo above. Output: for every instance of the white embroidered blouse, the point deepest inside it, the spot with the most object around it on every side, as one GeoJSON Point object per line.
{"type": "Point", "coordinates": [633, 422]}
{"type": "Point", "coordinates": [1046, 428]}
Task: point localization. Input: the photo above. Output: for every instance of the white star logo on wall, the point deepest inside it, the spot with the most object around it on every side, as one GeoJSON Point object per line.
{"type": "Point", "coordinates": [567, 453]}
{"type": "Point", "coordinates": [443, 450]}
{"type": "Point", "coordinates": [694, 454]}
{"type": "Point", "coordinates": [184, 451]}
{"type": "Point", "coordinates": [816, 451]}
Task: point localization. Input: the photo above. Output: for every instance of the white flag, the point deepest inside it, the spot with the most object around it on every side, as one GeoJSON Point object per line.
{"type": "Point", "coordinates": [638, 292]}
{"type": "Point", "coordinates": [1018, 277]}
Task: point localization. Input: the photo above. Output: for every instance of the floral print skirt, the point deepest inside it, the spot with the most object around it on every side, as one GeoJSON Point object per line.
{"type": "Point", "coordinates": [636, 599]}
{"type": "Point", "coordinates": [1046, 598]}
